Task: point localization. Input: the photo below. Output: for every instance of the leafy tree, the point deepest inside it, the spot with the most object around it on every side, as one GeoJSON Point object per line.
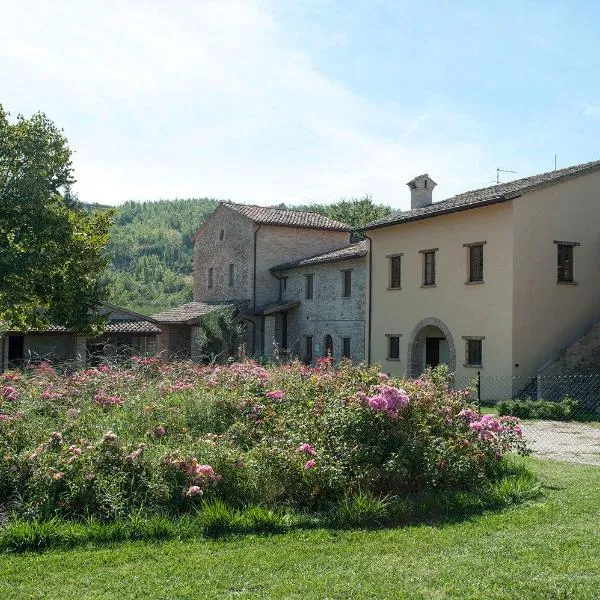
{"type": "Point", "coordinates": [51, 250]}
{"type": "Point", "coordinates": [220, 333]}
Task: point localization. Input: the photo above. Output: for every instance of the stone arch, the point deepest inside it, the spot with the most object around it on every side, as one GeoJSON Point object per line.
{"type": "Point", "coordinates": [414, 360]}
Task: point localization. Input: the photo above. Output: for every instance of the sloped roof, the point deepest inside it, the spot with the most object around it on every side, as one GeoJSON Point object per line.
{"type": "Point", "coordinates": [348, 252]}
{"type": "Point", "coordinates": [274, 307]}
{"type": "Point", "coordinates": [288, 218]}
{"type": "Point", "coordinates": [132, 326]}
{"type": "Point", "coordinates": [484, 196]}
{"type": "Point", "coordinates": [188, 313]}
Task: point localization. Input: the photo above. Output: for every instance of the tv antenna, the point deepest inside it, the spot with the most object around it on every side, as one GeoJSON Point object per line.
{"type": "Point", "coordinates": [498, 171]}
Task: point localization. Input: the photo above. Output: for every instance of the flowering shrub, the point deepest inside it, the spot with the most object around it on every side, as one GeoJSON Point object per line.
{"type": "Point", "coordinates": [106, 441]}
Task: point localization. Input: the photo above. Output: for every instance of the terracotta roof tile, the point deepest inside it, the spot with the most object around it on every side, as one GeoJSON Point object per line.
{"type": "Point", "coordinates": [288, 218]}
{"type": "Point", "coordinates": [488, 195]}
{"type": "Point", "coordinates": [188, 312]}
{"type": "Point", "coordinates": [132, 326]}
{"type": "Point", "coordinates": [352, 251]}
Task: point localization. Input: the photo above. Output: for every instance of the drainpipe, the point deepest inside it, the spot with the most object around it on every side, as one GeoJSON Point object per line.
{"type": "Point", "coordinates": [370, 313]}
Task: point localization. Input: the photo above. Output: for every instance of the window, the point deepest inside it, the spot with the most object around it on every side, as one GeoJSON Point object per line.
{"type": "Point", "coordinates": [428, 266]}
{"type": "Point", "coordinates": [308, 287]}
{"type": "Point", "coordinates": [346, 283]}
{"type": "Point", "coordinates": [393, 347]}
{"type": "Point", "coordinates": [282, 287]}
{"type": "Point", "coordinates": [475, 263]}
{"type": "Point", "coordinates": [565, 261]}
{"type": "Point", "coordinates": [473, 352]}
{"type": "Point", "coordinates": [221, 234]}
{"type": "Point", "coordinates": [346, 347]}
{"type": "Point", "coordinates": [210, 277]}
{"type": "Point", "coordinates": [231, 275]}
{"type": "Point", "coordinates": [395, 271]}
{"type": "Point", "coordinates": [308, 354]}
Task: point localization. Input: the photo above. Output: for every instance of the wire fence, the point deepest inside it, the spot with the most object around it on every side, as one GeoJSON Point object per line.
{"type": "Point", "coordinates": [560, 413]}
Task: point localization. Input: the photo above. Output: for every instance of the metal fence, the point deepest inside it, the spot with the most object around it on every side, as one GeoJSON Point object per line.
{"type": "Point", "coordinates": [560, 413]}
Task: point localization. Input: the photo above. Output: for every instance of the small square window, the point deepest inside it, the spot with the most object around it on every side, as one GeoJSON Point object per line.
{"type": "Point", "coordinates": [395, 271]}
{"type": "Point", "coordinates": [210, 277]}
{"type": "Point", "coordinates": [346, 347]}
{"type": "Point", "coordinates": [393, 347]}
{"type": "Point", "coordinates": [473, 352]}
{"type": "Point", "coordinates": [346, 283]}
{"type": "Point", "coordinates": [231, 275]}
{"type": "Point", "coordinates": [309, 285]}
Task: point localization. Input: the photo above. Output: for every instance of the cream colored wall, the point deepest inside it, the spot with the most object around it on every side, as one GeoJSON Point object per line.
{"type": "Point", "coordinates": [277, 245]}
{"type": "Point", "coordinates": [467, 310]}
{"type": "Point", "coordinates": [547, 315]}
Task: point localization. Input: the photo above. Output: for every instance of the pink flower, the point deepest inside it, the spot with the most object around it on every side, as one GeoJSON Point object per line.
{"type": "Point", "coordinates": [384, 376]}
{"type": "Point", "coordinates": [306, 449]}
{"type": "Point", "coordinates": [160, 431]}
{"type": "Point", "coordinates": [498, 456]}
{"type": "Point", "coordinates": [56, 437]}
{"type": "Point", "coordinates": [58, 475]}
{"type": "Point", "coordinates": [276, 395]}
{"type": "Point", "coordinates": [378, 403]}
{"type": "Point", "coordinates": [9, 392]}
{"type": "Point", "coordinates": [194, 490]}
{"type": "Point", "coordinates": [5, 418]}
{"type": "Point", "coordinates": [110, 436]}
{"type": "Point", "coordinates": [310, 464]}
{"type": "Point", "coordinates": [75, 450]}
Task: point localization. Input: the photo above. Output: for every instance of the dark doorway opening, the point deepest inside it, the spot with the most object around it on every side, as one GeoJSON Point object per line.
{"type": "Point", "coordinates": [432, 351]}
{"type": "Point", "coordinates": [328, 346]}
{"type": "Point", "coordinates": [16, 349]}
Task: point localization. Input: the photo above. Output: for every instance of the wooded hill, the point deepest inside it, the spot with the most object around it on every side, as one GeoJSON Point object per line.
{"type": "Point", "coordinates": [151, 246]}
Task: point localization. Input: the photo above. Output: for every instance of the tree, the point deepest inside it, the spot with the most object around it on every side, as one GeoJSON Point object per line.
{"type": "Point", "coordinates": [220, 333]}
{"type": "Point", "coordinates": [52, 252]}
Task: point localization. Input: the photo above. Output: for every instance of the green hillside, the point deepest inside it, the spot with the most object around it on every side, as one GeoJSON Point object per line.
{"type": "Point", "coordinates": [151, 246]}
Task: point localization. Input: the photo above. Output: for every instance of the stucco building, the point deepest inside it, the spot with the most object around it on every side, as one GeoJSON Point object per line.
{"type": "Point", "coordinates": [294, 277]}
{"type": "Point", "coordinates": [498, 280]}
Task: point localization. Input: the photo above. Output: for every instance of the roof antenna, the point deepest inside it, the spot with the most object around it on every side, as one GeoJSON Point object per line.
{"type": "Point", "coordinates": [498, 171]}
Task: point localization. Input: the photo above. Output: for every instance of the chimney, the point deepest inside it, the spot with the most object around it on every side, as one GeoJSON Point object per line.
{"type": "Point", "coordinates": [421, 190]}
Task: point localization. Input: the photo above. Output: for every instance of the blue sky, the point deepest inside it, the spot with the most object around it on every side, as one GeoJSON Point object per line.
{"type": "Point", "coordinates": [267, 101]}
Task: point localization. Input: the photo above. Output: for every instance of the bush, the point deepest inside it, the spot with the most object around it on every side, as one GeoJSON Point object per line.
{"type": "Point", "coordinates": [175, 439]}
{"type": "Point", "coordinates": [565, 410]}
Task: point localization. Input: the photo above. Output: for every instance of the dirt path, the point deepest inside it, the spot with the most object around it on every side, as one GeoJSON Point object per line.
{"type": "Point", "coordinates": [573, 442]}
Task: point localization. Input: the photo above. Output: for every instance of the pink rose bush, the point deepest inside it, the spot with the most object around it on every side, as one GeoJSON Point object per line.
{"type": "Point", "coordinates": [108, 440]}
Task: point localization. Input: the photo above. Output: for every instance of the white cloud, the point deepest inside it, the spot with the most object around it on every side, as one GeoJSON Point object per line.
{"type": "Point", "coordinates": [208, 98]}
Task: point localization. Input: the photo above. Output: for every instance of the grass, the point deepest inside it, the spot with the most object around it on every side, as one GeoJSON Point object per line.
{"type": "Point", "coordinates": [547, 548]}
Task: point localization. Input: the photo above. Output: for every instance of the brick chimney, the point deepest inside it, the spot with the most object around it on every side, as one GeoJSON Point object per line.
{"type": "Point", "coordinates": [421, 190]}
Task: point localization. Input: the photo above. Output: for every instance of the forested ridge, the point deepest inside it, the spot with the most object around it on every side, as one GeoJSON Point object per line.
{"type": "Point", "coordinates": [151, 246]}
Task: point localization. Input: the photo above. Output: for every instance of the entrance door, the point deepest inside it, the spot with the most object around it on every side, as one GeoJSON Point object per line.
{"type": "Point", "coordinates": [328, 349]}
{"type": "Point", "coordinates": [432, 351]}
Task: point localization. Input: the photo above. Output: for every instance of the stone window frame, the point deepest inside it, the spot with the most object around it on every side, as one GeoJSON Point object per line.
{"type": "Point", "coordinates": [346, 339]}
{"type": "Point", "coordinates": [469, 247]}
{"type": "Point", "coordinates": [388, 337]}
{"type": "Point", "coordinates": [231, 280]}
{"type": "Point", "coordinates": [346, 290]}
{"type": "Point", "coordinates": [390, 258]}
{"type": "Point", "coordinates": [211, 278]}
{"type": "Point", "coordinates": [425, 253]}
{"type": "Point", "coordinates": [560, 268]}
{"type": "Point", "coordinates": [473, 338]}
{"type": "Point", "coordinates": [311, 277]}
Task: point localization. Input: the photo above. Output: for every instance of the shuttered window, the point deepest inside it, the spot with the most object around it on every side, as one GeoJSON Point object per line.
{"type": "Point", "coordinates": [474, 352]}
{"type": "Point", "coordinates": [393, 347]}
{"type": "Point", "coordinates": [476, 263]}
{"type": "Point", "coordinates": [395, 271]}
{"type": "Point", "coordinates": [309, 284]}
{"type": "Point", "coordinates": [346, 283]}
{"type": "Point", "coordinates": [565, 263]}
{"type": "Point", "coordinates": [429, 268]}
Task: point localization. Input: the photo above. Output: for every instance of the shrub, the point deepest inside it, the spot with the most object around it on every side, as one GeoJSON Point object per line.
{"type": "Point", "coordinates": [184, 438]}
{"type": "Point", "coordinates": [564, 410]}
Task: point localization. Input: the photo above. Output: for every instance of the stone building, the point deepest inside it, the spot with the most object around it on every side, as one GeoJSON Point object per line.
{"type": "Point", "coordinates": [499, 280]}
{"type": "Point", "coordinates": [244, 255]}
{"type": "Point", "coordinates": [126, 332]}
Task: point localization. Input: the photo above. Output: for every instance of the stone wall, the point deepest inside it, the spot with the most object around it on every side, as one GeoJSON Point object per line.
{"type": "Point", "coordinates": [277, 245]}
{"type": "Point", "coordinates": [328, 312]}
{"type": "Point", "coordinates": [210, 251]}
{"type": "Point", "coordinates": [175, 341]}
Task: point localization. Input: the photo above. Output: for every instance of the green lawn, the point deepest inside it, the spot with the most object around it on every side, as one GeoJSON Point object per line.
{"type": "Point", "coordinates": [547, 549]}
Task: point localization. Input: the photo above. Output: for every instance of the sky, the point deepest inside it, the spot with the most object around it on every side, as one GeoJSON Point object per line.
{"type": "Point", "coordinates": [298, 101]}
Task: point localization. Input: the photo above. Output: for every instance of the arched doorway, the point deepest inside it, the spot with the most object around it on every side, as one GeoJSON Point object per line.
{"type": "Point", "coordinates": [328, 346]}
{"type": "Point", "coordinates": [430, 344]}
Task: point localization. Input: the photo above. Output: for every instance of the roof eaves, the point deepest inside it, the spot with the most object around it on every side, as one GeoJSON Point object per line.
{"type": "Point", "coordinates": [309, 262]}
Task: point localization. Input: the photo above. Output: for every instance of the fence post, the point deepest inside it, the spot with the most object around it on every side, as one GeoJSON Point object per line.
{"type": "Point", "coordinates": [479, 390]}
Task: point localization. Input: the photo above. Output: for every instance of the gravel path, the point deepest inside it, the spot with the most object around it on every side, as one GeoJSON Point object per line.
{"type": "Point", "coordinates": [573, 442]}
